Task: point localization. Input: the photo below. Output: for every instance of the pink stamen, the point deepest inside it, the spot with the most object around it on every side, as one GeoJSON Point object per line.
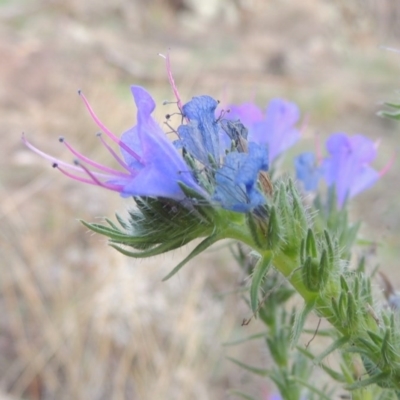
{"type": "Point", "coordinates": [91, 162]}
{"type": "Point", "coordinates": [113, 153]}
{"type": "Point", "coordinates": [47, 156]}
{"type": "Point", "coordinates": [318, 150]}
{"type": "Point", "coordinates": [304, 124]}
{"type": "Point", "coordinates": [60, 162]}
{"type": "Point", "coordinates": [172, 81]}
{"type": "Point", "coordinates": [116, 188]}
{"type": "Point", "coordinates": [387, 167]}
{"type": "Point", "coordinates": [105, 129]}
{"type": "Point", "coordinates": [87, 170]}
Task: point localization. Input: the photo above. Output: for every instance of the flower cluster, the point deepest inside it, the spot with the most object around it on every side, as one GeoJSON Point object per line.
{"type": "Point", "coordinates": [277, 128]}
{"type": "Point", "coordinates": [217, 157]}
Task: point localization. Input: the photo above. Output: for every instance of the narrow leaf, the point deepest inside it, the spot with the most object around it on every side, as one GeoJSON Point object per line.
{"type": "Point", "coordinates": [254, 370]}
{"type": "Point", "coordinates": [246, 339]}
{"type": "Point", "coordinates": [334, 346]}
{"type": "Point", "coordinates": [299, 322]}
{"type": "Point", "coordinates": [207, 242]}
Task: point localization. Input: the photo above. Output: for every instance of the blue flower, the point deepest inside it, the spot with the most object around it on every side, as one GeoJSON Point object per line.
{"type": "Point", "coordinates": [235, 175]}
{"type": "Point", "coordinates": [236, 181]}
{"type": "Point", "coordinates": [151, 165]}
{"type": "Point", "coordinates": [276, 129]}
{"type": "Point", "coordinates": [307, 171]}
{"type": "Point", "coordinates": [200, 137]}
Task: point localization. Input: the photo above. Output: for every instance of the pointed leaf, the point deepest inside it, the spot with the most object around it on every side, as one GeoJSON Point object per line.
{"type": "Point", "coordinates": [254, 370]}
{"type": "Point", "coordinates": [378, 378]}
{"type": "Point", "coordinates": [207, 242]}
{"type": "Point", "coordinates": [300, 321]}
{"type": "Point", "coordinates": [246, 339]}
{"type": "Point", "coordinates": [334, 346]}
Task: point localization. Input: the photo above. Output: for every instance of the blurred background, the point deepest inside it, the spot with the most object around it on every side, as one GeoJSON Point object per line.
{"type": "Point", "coordinates": [77, 319]}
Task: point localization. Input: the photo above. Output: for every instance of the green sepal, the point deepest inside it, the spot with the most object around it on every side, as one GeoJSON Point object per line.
{"type": "Point", "coordinates": [352, 316]}
{"type": "Point", "coordinates": [310, 271]}
{"type": "Point", "coordinates": [302, 251]}
{"type": "Point", "coordinates": [375, 338]}
{"type": "Point", "coordinates": [323, 270]}
{"type": "Point", "coordinates": [260, 270]}
{"type": "Point", "coordinates": [299, 211]}
{"type": "Point", "coordinates": [311, 245]}
{"type": "Point", "coordinates": [335, 308]}
{"type": "Point", "coordinates": [256, 231]}
{"type": "Point", "coordinates": [274, 230]}
{"type": "Point", "coordinates": [329, 247]}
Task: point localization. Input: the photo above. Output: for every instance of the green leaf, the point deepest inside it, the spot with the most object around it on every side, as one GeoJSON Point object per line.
{"type": "Point", "coordinates": [312, 388]}
{"type": "Point", "coordinates": [378, 378]}
{"type": "Point", "coordinates": [390, 114]}
{"type": "Point", "coordinates": [334, 346]}
{"type": "Point", "coordinates": [337, 376]}
{"type": "Point", "coordinates": [246, 339]}
{"type": "Point", "coordinates": [393, 105]}
{"type": "Point", "coordinates": [154, 251]}
{"type": "Point", "coordinates": [260, 270]}
{"type": "Point", "coordinates": [299, 322]}
{"type": "Point", "coordinates": [207, 242]}
{"type": "Point", "coordinates": [254, 370]}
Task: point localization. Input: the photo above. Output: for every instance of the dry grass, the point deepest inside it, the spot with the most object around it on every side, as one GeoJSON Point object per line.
{"type": "Point", "coordinates": [77, 320]}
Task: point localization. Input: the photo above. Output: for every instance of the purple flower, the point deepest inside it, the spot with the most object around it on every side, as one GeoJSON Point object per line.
{"type": "Point", "coordinates": [347, 166]}
{"type": "Point", "coordinates": [276, 129]}
{"type": "Point", "coordinates": [307, 171]}
{"type": "Point", "coordinates": [151, 165]}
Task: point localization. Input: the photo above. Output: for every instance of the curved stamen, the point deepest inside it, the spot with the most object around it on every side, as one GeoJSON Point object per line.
{"type": "Point", "coordinates": [172, 81]}
{"type": "Point", "coordinates": [387, 167]}
{"type": "Point", "coordinates": [87, 170]}
{"type": "Point", "coordinates": [105, 129]}
{"type": "Point", "coordinates": [47, 156]}
{"type": "Point", "coordinates": [91, 162]}
{"type": "Point", "coordinates": [116, 188]}
{"type": "Point", "coordinates": [113, 153]}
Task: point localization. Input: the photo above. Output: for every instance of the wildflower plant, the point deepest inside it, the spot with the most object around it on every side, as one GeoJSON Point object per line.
{"type": "Point", "coordinates": [212, 183]}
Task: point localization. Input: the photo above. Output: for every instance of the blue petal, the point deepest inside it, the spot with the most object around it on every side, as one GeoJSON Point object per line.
{"type": "Point", "coordinates": [161, 166]}
{"type": "Point", "coordinates": [236, 181]}
{"type": "Point", "coordinates": [200, 137]}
